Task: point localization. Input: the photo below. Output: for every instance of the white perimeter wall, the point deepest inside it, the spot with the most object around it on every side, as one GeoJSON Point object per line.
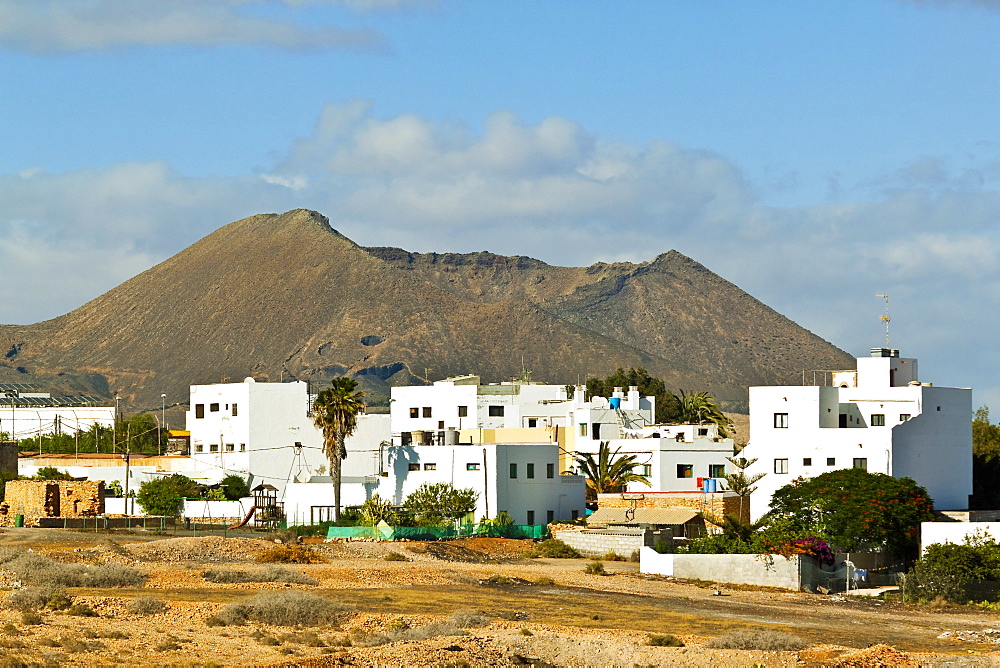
{"type": "Point", "coordinates": [957, 533]}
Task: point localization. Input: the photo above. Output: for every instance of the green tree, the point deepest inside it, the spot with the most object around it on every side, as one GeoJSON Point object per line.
{"type": "Point", "coordinates": [607, 472]}
{"type": "Point", "coordinates": [51, 473]}
{"type": "Point", "coordinates": [440, 503]}
{"type": "Point", "coordinates": [857, 510]}
{"type": "Point", "coordinates": [958, 573]}
{"type": "Point", "coordinates": [985, 461]}
{"type": "Point", "coordinates": [235, 487]}
{"type": "Point", "coordinates": [335, 412]}
{"type": "Point", "coordinates": [165, 496]}
{"type": "Point", "coordinates": [377, 510]}
{"type": "Point", "coordinates": [667, 405]}
{"type": "Point", "coordinates": [701, 408]}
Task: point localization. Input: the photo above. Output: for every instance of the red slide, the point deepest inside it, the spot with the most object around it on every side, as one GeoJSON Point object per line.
{"type": "Point", "coordinates": [246, 519]}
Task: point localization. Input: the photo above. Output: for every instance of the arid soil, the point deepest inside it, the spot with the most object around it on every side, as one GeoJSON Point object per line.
{"type": "Point", "coordinates": [473, 602]}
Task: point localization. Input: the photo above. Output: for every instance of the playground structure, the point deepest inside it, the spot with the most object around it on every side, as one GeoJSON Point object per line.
{"type": "Point", "coordinates": [266, 512]}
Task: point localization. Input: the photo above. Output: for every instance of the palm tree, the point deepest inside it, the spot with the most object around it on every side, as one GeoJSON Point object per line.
{"type": "Point", "coordinates": [701, 408]}
{"type": "Point", "coordinates": [608, 473]}
{"type": "Point", "coordinates": [335, 412]}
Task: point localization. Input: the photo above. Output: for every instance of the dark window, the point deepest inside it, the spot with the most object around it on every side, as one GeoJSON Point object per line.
{"type": "Point", "coordinates": [550, 516]}
{"type": "Point", "coordinates": [214, 408]}
{"type": "Point", "coordinates": [878, 419]}
{"type": "Point", "coordinates": [842, 420]}
{"type": "Point", "coordinates": [903, 417]}
{"type": "Point", "coordinates": [583, 429]}
{"type": "Point", "coordinates": [781, 466]}
{"type": "Point", "coordinates": [513, 471]}
{"type": "Point", "coordinates": [702, 431]}
{"type": "Point", "coordinates": [532, 422]}
{"type": "Point", "coordinates": [830, 461]}
{"type": "Point", "coordinates": [716, 470]}
{"type": "Point", "coordinates": [781, 420]}
{"type": "Point", "coordinates": [575, 514]}
{"type": "Point", "coordinates": [861, 463]}
{"type": "Point", "coordinates": [685, 470]}
{"type": "Point", "coordinates": [214, 447]}
{"type": "Point", "coordinates": [440, 424]}
{"type": "Point", "coordinates": [463, 411]}
{"type": "Point", "coordinates": [430, 467]}
{"type": "Point", "coordinates": [230, 447]}
{"type": "Point", "coordinates": [530, 470]}
{"type": "Point", "coordinates": [414, 412]}
{"type": "Point", "coordinates": [427, 411]}
{"type": "Point", "coordinates": [807, 461]}
{"type": "Point", "coordinates": [243, 447]}
{"type": "Point", "coordinates": [414, 467]}
{"type": "Point", "coordinates": [550, 470]}
{"type": "Point", "coordinates": [595, 430]}
{"type": "Point", "coordinates": [472, 466]}
{"type": "Point", "coordinates": [235, 412]}
{"type": "Point", "coordinates": [199, 448]}
{"type": "Point", "coordinates": [531, 518]}
{"type": "Point", "coordinates": [496, 411]}
{"type": "Point", "coordinates": [199, 410]}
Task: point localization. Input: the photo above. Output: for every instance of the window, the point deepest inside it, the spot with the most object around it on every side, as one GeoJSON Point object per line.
{"type": "Point", "coordinates": [716, 470]}
{"type": "Point", "coordinates": [214, 408]}
{"type": "Point", "coordinates": [496, 411]}
{"type": "Point", "coordinates": [781, 420]}
{"type": "Point", "coordinates": [235, 412]}
{"type": "Point", "coordinates": [530, 471]}
{"type": "Point", "coordinates": [903, 417]}
{"type": "Point", "coordinates": [413, 467]}
{"type": "Point", "coordinates": [531, 518]}
{"type": "Point", "coordinates": [414, 412]}
{"type": "Point", "coordinates": [842, 420]}
{"type": "Point", "coordinates": [230, 447]}
{"type": "Point", "coordinates": [440, 424]}
{"type": "Point", "coordinates": [550, 516]}
{"type": "Point", "coordinates": [878, 419]}
{"type": "Point", "coordinates": [199, 447]}
{"type": "Point", "coordinates": [532, 422]}
{"type": "Point", "coordinates": [575, 514]}
{"type": "Point", "coordinates": [583, 429]}
{"type": "Point", "coordinates": [647, 470]}
{"type": "Point", "coordinates": [243, 447]}
{"type": "Point", "coordinates": [702, 431]}
{"type": "Point", "coordinates": [781, 466]}
{"type": "Point", "coordinates": [427, 411]}
{"type": "Point", "coordinates": [513, 471]}
{"type": "Point", "coordinates": [199, 410]}
{"type": "Point", "coordinates": [861, 463]}
{"type": "Point", "coordinates": [463, 411]}
{"type": "Point", "coordinates": [550, 470]}
{"type": "Point", "coordinates": [685, 470]}
{"type": "Point", "coordinates": [430, 467]}
{"type": "Point", "coordinates": [214, 447]}
{"type": "Point", "coordinates": [831, 461]}
{"type": "Point", "coordinates": [595, 430]}
{"type": "Point", "coordinates": [472, 466]}
{"type": "Point", "coordinates": [807, 461]}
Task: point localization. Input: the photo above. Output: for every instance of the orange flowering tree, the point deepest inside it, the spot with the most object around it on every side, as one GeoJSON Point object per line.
{"type": "Point", "coordinates": [856, 510]}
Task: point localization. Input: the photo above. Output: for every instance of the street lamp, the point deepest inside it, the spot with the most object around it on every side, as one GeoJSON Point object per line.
{"type": "Point", "coordinates": [114, 431]}
{"type": "Point", "coordinates": [159, 436]}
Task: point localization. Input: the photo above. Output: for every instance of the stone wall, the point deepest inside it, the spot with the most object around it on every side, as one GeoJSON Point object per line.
{"type": "Point", "coordinates": [35, 499]}
{"type": "Point", "coordinates": [719, 504]}
{"type": "Point", "coordinates": [599, 543]}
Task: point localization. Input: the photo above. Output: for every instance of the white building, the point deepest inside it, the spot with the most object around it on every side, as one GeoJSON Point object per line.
{"type": "Point", "coordinates": [265, 431]}
{"type": "Point", "coordinates": [881, 418]}
{"type": "Point", "coordinates": [27, 412]}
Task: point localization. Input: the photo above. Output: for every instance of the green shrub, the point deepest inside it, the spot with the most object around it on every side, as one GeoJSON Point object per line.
{"type": "Point", "coordinates": [664, 641]}
{"type": "Point", "coordinates": [146, 605]}
{"type": "Point", "coordinates": [235, 487]}
{"type": "Point", "coordinates": [498, 579]}
{"type": "Point", "coordinates": [282, 608]}
{"type": "Point", "coordinates": [395, 556]}
{"type": "Point", "coordinates": [165, 496]}
{"type": "Point", "coordinates": [554, 548]}
{"type": "Point", "coordinates": [594, 568]}
{"type": "Point", "coordinates": [758, 639]}
{"type": "Point", "coordinates": [544, 580]}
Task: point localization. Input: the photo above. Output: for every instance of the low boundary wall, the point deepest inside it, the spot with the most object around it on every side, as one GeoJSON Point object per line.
{"type": "Point", "coordinates": [599, 543]}
{"type": "Point", "coordinates": [768, 570]}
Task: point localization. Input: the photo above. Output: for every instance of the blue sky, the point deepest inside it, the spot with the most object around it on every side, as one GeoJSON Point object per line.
{"type": "Point", "coordinates": [814, 153]}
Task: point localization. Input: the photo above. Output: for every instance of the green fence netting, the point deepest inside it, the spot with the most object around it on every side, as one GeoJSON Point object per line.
{"type": "Point", "coordinates": [437, 533]}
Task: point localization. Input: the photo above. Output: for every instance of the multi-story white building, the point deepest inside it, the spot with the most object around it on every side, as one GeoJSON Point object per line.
{"type": "Point", "coordinates": [265, 430]}
{"type": "Point", "coordinates": [881, 418]}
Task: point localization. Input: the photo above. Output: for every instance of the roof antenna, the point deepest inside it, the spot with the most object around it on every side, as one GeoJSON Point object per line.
{"type": "Point", "coordinates": [886, 318]}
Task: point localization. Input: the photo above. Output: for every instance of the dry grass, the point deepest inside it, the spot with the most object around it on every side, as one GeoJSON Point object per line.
{"type": "Point", "coordinates": [146, 605]}
{"type": "Point", "coordinates": [758, 639]}
{"type": "Point", "coordinates": [267, 574]}
{"type": "Point", "coordinates": [35, 569]}
{"type": "Point", "coordinates": [290, 554]}
{"type": "Point", "coordinates": [282, 608]}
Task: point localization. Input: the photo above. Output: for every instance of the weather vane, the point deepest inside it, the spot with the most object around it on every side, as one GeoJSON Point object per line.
{"type": "Point", "coordinates": [886, 318]}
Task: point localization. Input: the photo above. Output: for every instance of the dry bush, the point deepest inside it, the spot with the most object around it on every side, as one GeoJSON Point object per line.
{"type": "Point", "coordinates": [267, 574]}
{"type": "Point", "coordinates": [34, 598]}
{"type": "Point", "coordinates": [35, 569]}
{"type": "Point", "coordinates": [307, 638]}
{"type": "Point", "coordinates": [395, 556]}
{"type": "Point", "coordinates": [282, 608]}
{"type": "Point", "coordinates": [146, 605]}
{"type": "Point", "coordinates": [594, 568]}
{"type": "Point", "coordinates": [613, 556]}
{"type": "Point", "coordinates": [544, 580]}
{"type": "Point", "coordinates": [553, 548]}
{"type": "Point", "coordinates": [664, 641]}
{"type": "Point", "coordinates": [758, 639]}
{"type": "Point", "coordinates": [467, 619]}
{"type": "Point", "coordinates": [290, 554]}
{"type": "Point", "coordinates": [81, 610]}
{"type": "Point", "coordinates": [31, 618]}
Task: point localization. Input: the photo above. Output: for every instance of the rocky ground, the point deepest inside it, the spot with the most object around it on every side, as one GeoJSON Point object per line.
{"type": "Point", "coordinates": [473, 602]}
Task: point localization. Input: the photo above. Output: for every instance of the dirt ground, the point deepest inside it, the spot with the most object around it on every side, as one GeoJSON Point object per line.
{"type": "Point", "coordinates": [539, 612]}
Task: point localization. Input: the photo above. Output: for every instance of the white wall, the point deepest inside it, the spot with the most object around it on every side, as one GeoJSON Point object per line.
{"type": "Point", "coordinates": [957, 533]}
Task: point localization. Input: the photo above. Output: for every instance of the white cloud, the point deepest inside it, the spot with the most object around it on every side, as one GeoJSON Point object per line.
{"type": "Point", "coordinates": [59, 26]}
